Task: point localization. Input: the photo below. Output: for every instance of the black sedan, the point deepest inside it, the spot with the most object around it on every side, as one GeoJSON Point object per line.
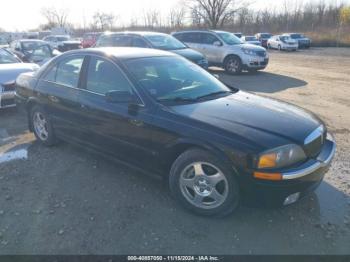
{"type": "Point", "coordinates": [156, 111]}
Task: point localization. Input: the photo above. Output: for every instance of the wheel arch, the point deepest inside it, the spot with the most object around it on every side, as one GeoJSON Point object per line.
{"type": "Point", "coordinates": [178, 147]}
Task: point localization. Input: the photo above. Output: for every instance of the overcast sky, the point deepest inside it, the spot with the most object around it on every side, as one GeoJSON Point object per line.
{"type": "Point", "coordinates": [25, 14]}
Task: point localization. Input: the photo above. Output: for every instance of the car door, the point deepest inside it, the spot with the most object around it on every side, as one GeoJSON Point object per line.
{"type": "Point", "coordinates": [213, 52]}
{"type": "Point", "coordinates": [121, 129]}
{"type": "Point", "coordinates": [58, 90]}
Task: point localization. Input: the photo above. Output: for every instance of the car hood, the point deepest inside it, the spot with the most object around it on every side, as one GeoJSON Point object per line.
{"type": "Point", "coordinates": [265, 122]}
{"type": "Point", "coordinates": [189, 53]}
{"type": "Point", "coordinates": [252, 47]}
{"type": "Point", "coordinates": [9, 72]}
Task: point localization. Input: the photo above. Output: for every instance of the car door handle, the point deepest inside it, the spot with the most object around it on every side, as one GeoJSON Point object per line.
{"type": "Point", "coordinates": [136, 122]}
{"type": "Point", "coordinates": [53, 99]}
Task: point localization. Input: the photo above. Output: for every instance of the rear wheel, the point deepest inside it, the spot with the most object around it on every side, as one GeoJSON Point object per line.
{"type": "Point", "coordinates": [233, 65]}
{"type": "Point", "coordinates": [42, 126]}
{"type": "Point", "coordinates": [203, 184]}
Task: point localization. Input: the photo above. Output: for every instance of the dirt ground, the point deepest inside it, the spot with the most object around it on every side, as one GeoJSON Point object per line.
{"type": "Point", "coordinates": [66, 200]}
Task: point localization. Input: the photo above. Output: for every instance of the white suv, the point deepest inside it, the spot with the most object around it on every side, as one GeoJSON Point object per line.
{"type": "Point", "coordinates": [225, 50]}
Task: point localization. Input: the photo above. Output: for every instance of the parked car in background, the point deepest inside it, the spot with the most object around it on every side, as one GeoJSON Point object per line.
{"type": "Point", "coordinates": [32, 51]}
{"type": "Point", "coordinates": [250, 40]}
{"type": "Point", "coordinates": [10, 67]}
{"type": "Point", "coordinates": [225, 50]}
{"type": "Point", "coordinates": [239, 35]}
{"type": "Point", "coordinates": [151, 40]}
{"type": "Point", "coordinates": [63, 43]}
{"type": "Point", "coordinates": [216, 146]}
{"type": "Point", "coordinates": [282, 42]}
{"type": "Point", "coordinates": [90, 39]}
{"type": "Point", "coordinates": [303, 41]}
{"type": "Point", "coordinates": [263, 38]}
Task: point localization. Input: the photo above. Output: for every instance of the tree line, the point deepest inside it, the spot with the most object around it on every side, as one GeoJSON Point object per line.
{"type": "Point", "coordinates": [217, 14]}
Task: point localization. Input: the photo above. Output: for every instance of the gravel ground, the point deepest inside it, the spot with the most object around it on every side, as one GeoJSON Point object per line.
{"type": "Point", "coordinates": [66, 200]}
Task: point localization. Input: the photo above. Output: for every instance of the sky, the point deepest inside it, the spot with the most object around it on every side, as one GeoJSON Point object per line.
{"type": "Point", "coordinates": [21, 15]}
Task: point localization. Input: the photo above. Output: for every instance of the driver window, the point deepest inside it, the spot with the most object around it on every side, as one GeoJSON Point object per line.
{"type": "Point", "coordinates": [209, 39]}
{"type": "Point", "coordinates": [103, 76]}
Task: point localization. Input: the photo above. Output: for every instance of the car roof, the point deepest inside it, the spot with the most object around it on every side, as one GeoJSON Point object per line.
{"type": "Point", "coordinates": [32, 40]}
{"type": "Point", "coordinates": [122, 53]}
{"type": "Point", "coordinates": [195, 31]}
{"type": "Point", "coordinates": [140, 33]}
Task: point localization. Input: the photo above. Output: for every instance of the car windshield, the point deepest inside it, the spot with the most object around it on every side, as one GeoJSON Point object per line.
{"type": "Point", "coordinates": [165, 42]}
{"type": "Point", "coordinates": [37, 50]}
{"type": "Point", "coordinates": [251, 38]}
{"type": "Point", "coordinates": [7, 57]}
{"type": "Point", "coordinates": [229, 38]}
{"type": "Point", "coordinates": [62, 38]}
{"type": "Point", "coordinates": [265, 36]}
{"type": "Point", "coordinates": [175, 80]}
{"type": "Point", "coordinates": [296, 36]}
{"type": "Point", "coordinates": [285, 38]}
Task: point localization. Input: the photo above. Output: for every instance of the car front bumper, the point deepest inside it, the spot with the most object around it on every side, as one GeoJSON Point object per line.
{"type": "Point", "coordinates": [256, 62]}
{"type": "Point", "coordinates": [296, 182]}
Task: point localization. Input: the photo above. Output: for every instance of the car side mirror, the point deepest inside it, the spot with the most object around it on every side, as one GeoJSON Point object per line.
{"type": "Point", "coordinates": [117, 96]}
{"type": "Point", "coordinates": [217, 43]}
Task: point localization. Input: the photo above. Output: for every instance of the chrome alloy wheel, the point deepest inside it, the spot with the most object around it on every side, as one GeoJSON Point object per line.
{"type": "Point", "coordinates": [232, 65]}
{"type": "Point", "coordinates": [204, 185]}
{"type": "Point", "coordinates": [40, 126]}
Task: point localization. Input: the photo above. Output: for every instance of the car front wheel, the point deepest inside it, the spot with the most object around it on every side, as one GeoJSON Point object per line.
{"type": "Point", "coordinates": [203, 184]}
{"type": "Point", "coordinates": [42, 126]}
{"type": "Point", "coordinates": [233, 65]}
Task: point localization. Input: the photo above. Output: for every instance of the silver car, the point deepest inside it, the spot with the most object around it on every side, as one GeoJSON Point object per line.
{"type": "Point", "coordinates": [10, 67]}
{"type": "Point", "coordinates": [225, 50]}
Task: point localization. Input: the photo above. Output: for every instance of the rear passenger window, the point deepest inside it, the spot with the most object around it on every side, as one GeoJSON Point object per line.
{"type": "Point", "coordinates": [68, 71]}
{"type": "Point", "coordinates": [139, 42]}
{"type": "Point", "coordinates": [103, 76]}
{"type": "Point", "coordinates": [189, 37]}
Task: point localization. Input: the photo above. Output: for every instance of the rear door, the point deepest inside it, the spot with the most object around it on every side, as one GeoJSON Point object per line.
{"type": "Point", "coordinates": [119, 129]}
{"type": "Point", "coordinates": [58, 89]}
{"type": "Point", "coordinates": [212, 52]}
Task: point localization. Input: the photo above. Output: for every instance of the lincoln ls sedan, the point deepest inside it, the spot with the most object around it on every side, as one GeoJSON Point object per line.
{"type": "Point", "coordinates": [216, 146]}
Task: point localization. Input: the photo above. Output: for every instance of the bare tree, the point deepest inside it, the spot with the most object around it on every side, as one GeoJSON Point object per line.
{"type": "Point", "coordinates": [55, 17]}
{"type": "Point", "coordinates": [152, 18]}
{"type": "Point", "coordinates": [215, 13]}
{"type": "Point", "coordinates": [176, 17]}
{"type": "Point", "coordinates": [103, 21]}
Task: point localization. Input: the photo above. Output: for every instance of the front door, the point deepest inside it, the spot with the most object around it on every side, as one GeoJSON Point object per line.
{"type": "Point", "coordinates": [121, 128]}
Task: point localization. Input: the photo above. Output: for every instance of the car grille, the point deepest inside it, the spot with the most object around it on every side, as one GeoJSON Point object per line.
{"type": "Point", "coordinates": [8, 87]}
{"type": "Point", "coordinates": [313, 148]}
{"type": "Point", "coordinates": [261, 53]}
{"type": "Point", "coordinates": [7, 102]}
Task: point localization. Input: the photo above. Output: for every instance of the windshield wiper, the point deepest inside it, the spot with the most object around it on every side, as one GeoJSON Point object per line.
{"type": "Point", "coordinates": [214, 94]}
{"type": "Point", "coordinates": [177, 99]}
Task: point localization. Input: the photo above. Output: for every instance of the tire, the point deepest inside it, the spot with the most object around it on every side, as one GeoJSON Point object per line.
{"type": "Point", "coordinates": [279, 48]}
{"type": "Point", "coordinates": [203, 184]}
{"type": "Point", "coordinates": [42, 126]}
{"type": "Point", "coordinates": [233, 65]}
{"type": "Point", "coordinates": [269, 46]}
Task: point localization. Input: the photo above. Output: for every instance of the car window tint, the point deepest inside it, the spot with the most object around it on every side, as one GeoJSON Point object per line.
{"type": "Point", "coordinates": [103, 76]}
{"type": "Point", "coordinates": [139, 42]}
{"type": "Point", "coordinates": [208, 39]}
{"type": "Point", "coordinates": [190, 38]}
{"type": "Point", "coordinates": [51, 74]}
{"type": "Point", "coordinates": [68, 71]}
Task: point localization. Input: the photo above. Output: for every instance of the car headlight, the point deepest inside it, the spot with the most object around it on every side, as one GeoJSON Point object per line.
{"type": "Point", "coordinates": [281, 157]}
{"type": "Point", "coordinates": [248, 51]}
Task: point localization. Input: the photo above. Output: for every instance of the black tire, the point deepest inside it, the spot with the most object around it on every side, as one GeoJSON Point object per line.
{"type": "Point", "coordinates": [232, 197]}
{"type": "Point", "coordinates": [233, 65]}
{"type": "Point", "coordinates": [50, 139]}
